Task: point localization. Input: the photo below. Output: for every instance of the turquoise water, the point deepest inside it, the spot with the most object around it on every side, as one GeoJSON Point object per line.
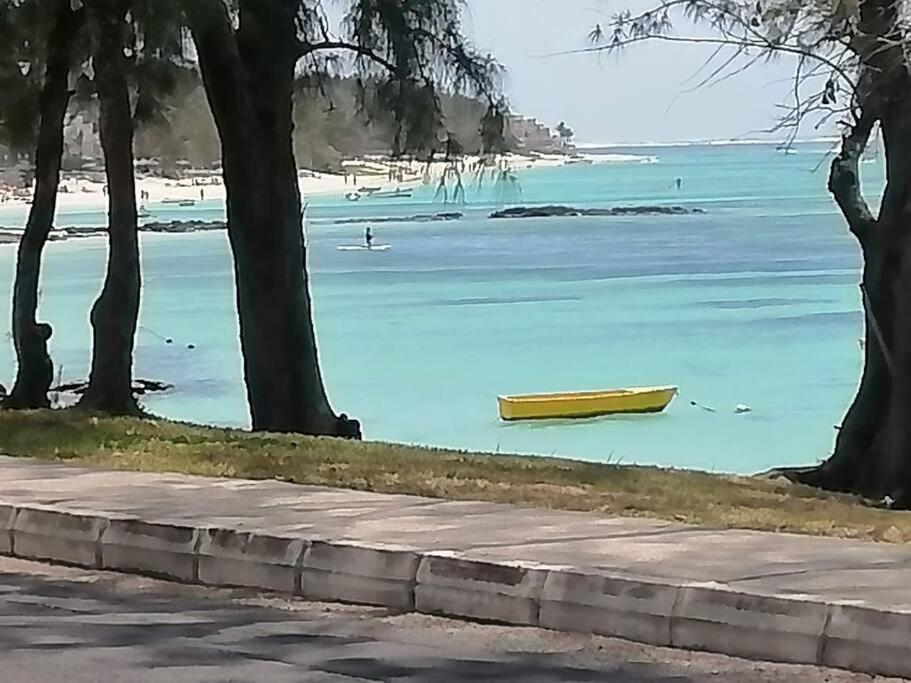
{"type": "Point", "coordinates": [754, 302]}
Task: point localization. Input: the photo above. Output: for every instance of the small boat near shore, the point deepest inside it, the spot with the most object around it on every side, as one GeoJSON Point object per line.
{"type": "Point", "coordinates": [391, 194]}
{"type": "Point", "coordinates": [356, 196]}
{"type": "Point", "coordinates": [580, 404]}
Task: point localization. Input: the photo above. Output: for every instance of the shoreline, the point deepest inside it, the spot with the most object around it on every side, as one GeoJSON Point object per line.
{"type": "Point", "coordinates": [80, 193]}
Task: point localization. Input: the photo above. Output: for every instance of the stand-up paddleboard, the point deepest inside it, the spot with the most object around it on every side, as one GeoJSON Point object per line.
{"type": "Point", "coordinates": [361, 247]}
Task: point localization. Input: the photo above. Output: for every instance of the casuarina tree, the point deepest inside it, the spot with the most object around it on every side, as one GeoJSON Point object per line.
{"type": "Point", "coordinates": [39, 44]}
{"type": "Point", "coordinates": [136, 47]}
{"type": "Point", "coordinates": [250, 52]}
{"type": "Point", "coordinates": [115, 312]}
{"type": "Point", "coordinates": [852, 65]}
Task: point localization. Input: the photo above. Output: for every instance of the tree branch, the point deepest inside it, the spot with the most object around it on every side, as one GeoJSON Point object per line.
{"type": "Point", "coordinates": [744, 44]}
{"type": "Point", "coordinates": [310, 48]}
{"type": "Point", "coordinates": [844, 177]}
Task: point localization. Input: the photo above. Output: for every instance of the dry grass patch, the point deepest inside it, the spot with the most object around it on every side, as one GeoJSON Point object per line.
{"type": "Point", "coordinates": [692, 497]}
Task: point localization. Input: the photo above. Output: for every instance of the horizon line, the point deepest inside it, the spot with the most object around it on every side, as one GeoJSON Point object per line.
{"type": "Point", "coordinates": [705, 142]}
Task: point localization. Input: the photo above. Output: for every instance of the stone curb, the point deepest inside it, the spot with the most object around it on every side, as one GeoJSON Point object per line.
{"type": "Point", "coordinates": [798, 629]}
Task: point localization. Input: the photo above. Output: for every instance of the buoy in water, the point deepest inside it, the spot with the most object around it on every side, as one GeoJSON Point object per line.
{"type": "Point", "coordinates": [707, 409]}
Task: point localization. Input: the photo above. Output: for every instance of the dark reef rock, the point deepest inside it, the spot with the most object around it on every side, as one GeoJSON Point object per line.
{"type": "Point", "coordinates": [178, 227]}
{"type": "Point", "coordinates": [419, 218]}
{"type": "Point", "coordinates": [140, 387]}
{"type": "Point", "coordinates": [617, 211]}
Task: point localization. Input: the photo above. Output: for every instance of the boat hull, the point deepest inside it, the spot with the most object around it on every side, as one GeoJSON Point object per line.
{"type": "Point", "coordinates": [585, 403]}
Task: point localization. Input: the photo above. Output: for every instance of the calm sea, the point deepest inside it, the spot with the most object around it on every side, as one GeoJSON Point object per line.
{"type": "Point", "coordinates": [753, 302]}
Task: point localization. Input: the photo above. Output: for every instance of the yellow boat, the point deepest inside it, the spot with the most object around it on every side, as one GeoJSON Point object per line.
{"type": "Point", "coordinates": [586, 403]}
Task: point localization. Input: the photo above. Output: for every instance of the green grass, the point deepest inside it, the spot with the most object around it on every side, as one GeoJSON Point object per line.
{"type": "Point", "coordinates": [694, 497]}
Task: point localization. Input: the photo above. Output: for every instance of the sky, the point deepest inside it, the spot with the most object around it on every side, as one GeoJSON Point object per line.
{"type": "Point", "coordinates": [634, 97]}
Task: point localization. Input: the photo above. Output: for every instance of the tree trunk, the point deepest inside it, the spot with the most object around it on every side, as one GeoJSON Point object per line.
{"type": "Point", "coordinates": [249, 82]}
{"type": "Point", "coordinates": [35, 370]}
{"type": "Point", "coordinates": [872, 454]}
{"type": "Point", "coordinates": [115, 313]}
{"type": "Point", "coordinates": [853, 464]}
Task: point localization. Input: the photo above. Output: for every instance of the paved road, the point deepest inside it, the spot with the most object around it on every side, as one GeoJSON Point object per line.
{"type": "Point", "coordinates": [59, 624]}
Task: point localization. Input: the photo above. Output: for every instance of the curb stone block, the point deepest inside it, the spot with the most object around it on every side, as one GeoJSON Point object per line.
{"type": "Point", "coordinates": [249, 559]}
{"type": "Point", "coordinates": [506, 593]}
{"type": "Point", "coordinates": [7, 517]}
{"type": "Point", "coordinates": [638, 610]}
{"type": "Point", "coordinates": [158, 549]}
{"type": "Point", "coordinates": [872, 641]}
{"type": "Point", "coordinates": [771, 628]}
{"type": "Point", "coordinates": [349, 573]}
{"type": "Point", "coordinates": [48, 534]}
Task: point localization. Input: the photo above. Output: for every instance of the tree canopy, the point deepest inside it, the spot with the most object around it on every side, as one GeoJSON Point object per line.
{"type": "Point", "coordinates": [24, 27]}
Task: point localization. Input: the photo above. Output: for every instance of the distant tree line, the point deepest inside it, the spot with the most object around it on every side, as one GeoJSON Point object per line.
{"type": "Point", "coordinates": [330, 125]}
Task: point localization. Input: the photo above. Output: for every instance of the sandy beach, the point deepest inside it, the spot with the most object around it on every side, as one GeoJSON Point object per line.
{"type": "Point", "coordinates": [376, 173]}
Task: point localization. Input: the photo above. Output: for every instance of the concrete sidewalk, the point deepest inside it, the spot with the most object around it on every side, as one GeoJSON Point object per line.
{"type": "Point", "coordinates": [769, 596]}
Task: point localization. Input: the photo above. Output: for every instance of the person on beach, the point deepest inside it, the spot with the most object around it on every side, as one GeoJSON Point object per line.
{"type": "Point", "coordinates": [368, 237]}
{"type": "Point", "coordinates": [202, 194]}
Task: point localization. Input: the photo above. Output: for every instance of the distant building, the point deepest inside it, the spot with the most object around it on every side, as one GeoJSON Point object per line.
{"type": "Point", "coordinates": [533, 136]}
{"type": "Point", "coordinates": [530, 134]}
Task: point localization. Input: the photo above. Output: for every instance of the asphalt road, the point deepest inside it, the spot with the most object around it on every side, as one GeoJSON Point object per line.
{"type": "Point", "coordinates": [62, 625]}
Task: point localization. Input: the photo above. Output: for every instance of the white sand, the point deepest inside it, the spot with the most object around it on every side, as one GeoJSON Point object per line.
{"type": "Point", "coordinates": [373, 172]}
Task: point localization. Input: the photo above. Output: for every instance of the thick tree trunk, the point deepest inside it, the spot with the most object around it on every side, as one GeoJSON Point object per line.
{"type": "Point", "coordinates": [853, 464]}
{"type": "Point", "coordinates": [872, 454]}
{"type": "Point", "coordinates": [35, 369]}
{"type": "Point", "coordinates": [249, 82]}
{"type": "Point", "coordinates": [895, 469]}
{"type": "Point", "coordinates": [115, 313]}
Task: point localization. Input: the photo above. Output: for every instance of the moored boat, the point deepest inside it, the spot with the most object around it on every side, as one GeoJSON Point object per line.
{"type": "Point", "coordinates": [579, 404]}
{"type": "Point", "coordinates": [391, 194]}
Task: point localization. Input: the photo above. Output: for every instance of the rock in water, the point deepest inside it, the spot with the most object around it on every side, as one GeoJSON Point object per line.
{"type": "Point", "coordinates": [617, 211]}
{"type": "Point", "coordinates": [419, 218]}
{"type": "Point", "coordinates": [140, 387]}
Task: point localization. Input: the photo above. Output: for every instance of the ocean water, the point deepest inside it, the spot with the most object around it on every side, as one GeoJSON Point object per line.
{"type": "Point", "coordinates": [754, 302]}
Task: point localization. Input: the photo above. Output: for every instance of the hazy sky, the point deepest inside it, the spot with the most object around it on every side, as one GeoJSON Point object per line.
{"type": "Point", "coordinates": [634, 97]}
